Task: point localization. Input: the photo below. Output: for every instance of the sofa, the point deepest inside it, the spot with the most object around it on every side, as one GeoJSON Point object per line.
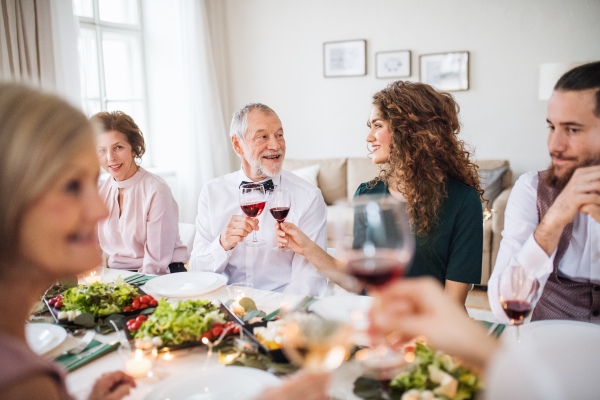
{"type": "Point", "coordinates": [338, 178]}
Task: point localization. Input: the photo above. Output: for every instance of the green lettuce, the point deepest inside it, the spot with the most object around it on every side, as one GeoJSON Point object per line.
{"type": "Point", "coordinates": [418, 377]}
{"type": "Point", "coordinates": [183, 321]}
{"type": "Point", "coordinates": [100, 299]}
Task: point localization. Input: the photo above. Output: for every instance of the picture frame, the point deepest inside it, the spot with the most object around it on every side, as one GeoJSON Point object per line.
{"type": "Point", "coordinates": [393, 64]}
{"type": "Point", "coordinates": [345, 58]}
{"type": "Point", "coordinates": [448, 72]}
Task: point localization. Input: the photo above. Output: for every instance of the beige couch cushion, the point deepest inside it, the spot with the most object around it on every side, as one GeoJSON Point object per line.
{"type": "Point", "coordinates": [332, 176]}
{"type": "Point", "coordinates": [493, 164]}
{"type": "Point", "coordinates": [360, 170]}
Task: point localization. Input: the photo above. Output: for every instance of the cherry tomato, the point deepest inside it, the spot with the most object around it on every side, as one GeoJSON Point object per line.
{"type": "Point", "coordinates": [141, 318]}
{"type": "Point", "coordinates": [150, 297]}
{"type": "Point", "coordinates": [153, 303]}
{"type": "Point", "coordinates": [136, 302]}
{"type": "Point", "coordinates": [207, 335]}
{"type": "Point", "coordinates": [52, 302]}
{"type": "Point", "coordinates": [135, 325]}
{"type": "Point", "coordinates": [144, 305]}
{"type": "Point", "coordinates": [127, 309]}
{"type": "Point", "coordinates": [58, 304]}
{"type": "Point", "coordinates": [144, 300]}
{"type": "Point", "coordinates": [216, 331]}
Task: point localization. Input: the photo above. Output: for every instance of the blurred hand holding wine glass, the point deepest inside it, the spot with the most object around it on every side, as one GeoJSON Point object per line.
{"type": "Point", "coordinates": [374, 248]}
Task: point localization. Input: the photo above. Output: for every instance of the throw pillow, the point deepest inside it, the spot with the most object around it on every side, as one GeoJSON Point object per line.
{"type": "Point", "coordinates": [491, 183]}
{"type": "Point", "coordinates": [309, 174]}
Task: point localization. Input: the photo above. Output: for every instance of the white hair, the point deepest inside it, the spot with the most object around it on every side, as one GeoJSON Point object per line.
{"type": "Point", "coordinates": [239, 123]}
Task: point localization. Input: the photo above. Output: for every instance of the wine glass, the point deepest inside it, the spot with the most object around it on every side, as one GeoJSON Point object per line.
{"type": "Point", "coordinates": [375, 247]}
{"type": "Point", "coordinates": [314, 343]}
{"type": "Point", "coordinates": [374, 240]}
{"type": "Point", "coordinates": [280, 201]}
{"type": "Point", "coordinates": [517, 292]}
{"type": "Point", "coordinates": [252, 202]}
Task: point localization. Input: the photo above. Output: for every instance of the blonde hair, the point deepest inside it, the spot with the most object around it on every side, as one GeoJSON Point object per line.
{"type": "Point", "coordinates": [39, 135]}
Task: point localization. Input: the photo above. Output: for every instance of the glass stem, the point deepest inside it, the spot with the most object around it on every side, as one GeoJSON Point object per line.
{"type": "Point", "coordinates": [518, 333]}
{"type": "Point", "coordinates": [282, 247]}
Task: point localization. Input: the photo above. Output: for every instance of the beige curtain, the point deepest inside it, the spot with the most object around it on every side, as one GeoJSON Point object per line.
{"type": "Point", "coordinates": [26, 43]}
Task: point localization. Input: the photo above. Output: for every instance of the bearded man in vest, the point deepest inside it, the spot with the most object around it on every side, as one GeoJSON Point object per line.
{"type": "Point", "coordinates": [552, 219]}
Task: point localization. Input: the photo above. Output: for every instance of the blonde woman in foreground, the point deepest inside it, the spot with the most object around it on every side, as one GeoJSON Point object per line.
{"type": "Point", "coordinates": [48, 230]}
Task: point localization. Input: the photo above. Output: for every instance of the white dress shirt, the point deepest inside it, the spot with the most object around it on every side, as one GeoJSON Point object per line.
{"type": "Point", "coordinates": [261, 266]}
{"type": "Point", "coordinates": [581, 261]}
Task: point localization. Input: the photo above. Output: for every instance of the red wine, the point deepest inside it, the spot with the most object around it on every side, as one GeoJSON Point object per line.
{"type": "Point", "coordinates": [376, 271]}
{"type": "Point", "coordinates": [280, 213]}
{"type": "Point", "coordinates": [253, 210]}
{"type": "Point", "coordinates": [517, 310]}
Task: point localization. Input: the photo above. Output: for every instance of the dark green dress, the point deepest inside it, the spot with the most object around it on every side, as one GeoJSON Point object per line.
{"type": "Point", "coordinates": [453, 248]}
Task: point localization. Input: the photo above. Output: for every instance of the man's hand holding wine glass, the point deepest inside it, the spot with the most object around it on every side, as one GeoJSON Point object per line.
{"type": "Point", "coordinates": [236, 230]}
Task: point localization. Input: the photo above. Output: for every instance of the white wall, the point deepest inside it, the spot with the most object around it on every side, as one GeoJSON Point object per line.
{"type": "Point", "coordinates": [275, 56]}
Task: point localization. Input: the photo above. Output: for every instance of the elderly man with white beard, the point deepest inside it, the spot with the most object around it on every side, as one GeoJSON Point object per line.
{"type": "Point", "coordinates": [221, 226]}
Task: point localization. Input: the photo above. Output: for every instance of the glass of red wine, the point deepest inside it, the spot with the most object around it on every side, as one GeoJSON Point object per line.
{"type": "Point", "coordinates": [374, 240]}
{"type": "Point", "coordinates": [517, 292]}
{"type": "Point", "coordinates": [252, 202]}
{"type": "Point", "coordinates": [375, 247]}
{"type": "Point", "coordinates": [280, 201]}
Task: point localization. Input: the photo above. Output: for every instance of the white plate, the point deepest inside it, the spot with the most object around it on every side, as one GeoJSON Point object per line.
{"type": "Point", "coordinates": [186, 284]}
{"type": "Point", "coordinates": [558, 331]}
{"type": "Point", "coordinates": [42, 338]}
{"type": "Point", "coordinates": [346, 308]}
{"type": "Point", "coordinates": [219, 383]}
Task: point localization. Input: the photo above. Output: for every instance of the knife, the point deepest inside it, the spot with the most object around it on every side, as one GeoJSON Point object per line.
{"type": "Point", "coordinates": [87, 353]}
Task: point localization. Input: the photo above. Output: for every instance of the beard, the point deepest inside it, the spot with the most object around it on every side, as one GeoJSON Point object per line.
{"type": "Point", "coordinates": [560, 181]}
{"type": "Point", "coordinates": [267, 171]}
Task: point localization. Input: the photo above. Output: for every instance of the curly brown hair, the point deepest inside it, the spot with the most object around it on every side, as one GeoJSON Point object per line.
{"type": "Point", "coordinates": [121, 122]}
{"type": "Point", "coordinates": [424, 149]}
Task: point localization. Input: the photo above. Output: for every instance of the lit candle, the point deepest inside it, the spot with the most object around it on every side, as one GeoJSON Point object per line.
{"type": "Point", "coordinates": [237, 308]}
{"type": "Point", "coordinates": [92, 278]}
{"type": "Point", "coordinates": [139, 365]}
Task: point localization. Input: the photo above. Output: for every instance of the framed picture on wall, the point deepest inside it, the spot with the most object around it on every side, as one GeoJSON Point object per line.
{"type": "Point", "coordinates": [392, 64]}
{"type": "Point", "coordinates": [347, 58]}
{"type": "Point", "coordinates": [445, 71]}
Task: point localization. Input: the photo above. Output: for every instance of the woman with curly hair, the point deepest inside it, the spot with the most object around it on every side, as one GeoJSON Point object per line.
{"type": "Point", "coordinates": [414, 138]}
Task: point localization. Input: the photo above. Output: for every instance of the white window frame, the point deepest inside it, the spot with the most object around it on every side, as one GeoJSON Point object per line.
{"type": "Point", "coordinates": [99, 27]}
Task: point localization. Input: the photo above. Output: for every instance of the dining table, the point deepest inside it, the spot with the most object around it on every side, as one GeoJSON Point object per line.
{"type": "Point", "coordinates": [193, 360]}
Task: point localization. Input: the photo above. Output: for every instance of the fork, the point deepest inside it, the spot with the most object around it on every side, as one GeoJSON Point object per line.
{"type": "Point", "coordinates": [83, 343]}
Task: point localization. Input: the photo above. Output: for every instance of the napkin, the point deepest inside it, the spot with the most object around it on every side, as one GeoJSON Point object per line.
{"type": "Point", "coordinates": [497, 332]}
{"type": "Point", "coordinates": [66, 359]}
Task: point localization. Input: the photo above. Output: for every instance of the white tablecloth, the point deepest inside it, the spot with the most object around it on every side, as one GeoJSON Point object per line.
{"type": "Point", "coordinates": [81, 380]}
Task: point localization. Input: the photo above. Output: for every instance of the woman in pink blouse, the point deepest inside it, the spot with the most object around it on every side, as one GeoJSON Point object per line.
{"type": "Point", "coordinates": [141, 232]}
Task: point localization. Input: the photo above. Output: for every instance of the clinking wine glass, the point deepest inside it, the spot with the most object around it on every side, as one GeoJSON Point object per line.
{"type": "Point", "coordinates": [252, 202]}
{"type": "Point", "coordinates": [517, 292]}
{"type": "Point", "coordinates": [375, 247]}
{"type": "Point", "coordinates": [280, 202]}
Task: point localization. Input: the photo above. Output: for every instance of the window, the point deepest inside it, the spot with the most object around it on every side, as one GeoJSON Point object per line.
{"type": "Point", "coordinates": [112, 60]}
